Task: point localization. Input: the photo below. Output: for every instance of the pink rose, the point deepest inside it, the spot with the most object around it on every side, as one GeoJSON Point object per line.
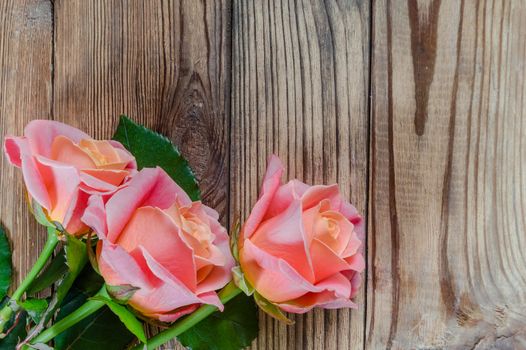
{"type": "Point", "coordinates": [62, 167]}
{"type": "Point", "coordinates": [301, 245]}
{"type": "Point", "coordinates": [154, 238]}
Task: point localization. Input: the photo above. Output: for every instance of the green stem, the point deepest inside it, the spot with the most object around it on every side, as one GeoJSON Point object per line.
{"type": "Point", "coordinates": [73, 318]}
{"type": "Point", "coordinates": [179, 327]}
{"type": "Point", "coordinates": [10, 306]}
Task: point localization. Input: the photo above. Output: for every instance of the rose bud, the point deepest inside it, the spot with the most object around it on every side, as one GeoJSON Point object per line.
{"type": "Point", "coordinates": [301, 246]}
{"type": "Point", "coordinates": [154, 240]}
{"type": "Point", "coordinates": [62, 166]}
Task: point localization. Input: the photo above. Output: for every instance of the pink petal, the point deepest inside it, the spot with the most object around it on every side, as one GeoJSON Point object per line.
{"type": "Point", "coordinates": [72, 220]}
{"type": "Point", "coordinates": [356, 281]}
{"type": "Point", "coordinates": [124, 154]}
{"type": "Point", "coordinates": [19, 154]}
{"type": "Point", "coordinates": [173, 315]}
{"type": "Point", "coordinates": [65, 151]}
{"type": "Point", "coordinates": [41, 134]}
{"type": "Point", "coordinates": [265, 272]}
{"type": "Point", "coordinates": [284, 196]}
{"type": "Point", "coordinates": [172, 293]}
{"type": "Point", "coordinates": [283, 236]}
{"type": "Point", "coordinates": [94, 185]}
{"type": "Point", "coordinates": [323, 300]}
{"type": "Point", "coordinates": [270, 185]}
{"type": "Point", "coordinates": [217, 279]}
{"type": "Point", "coordinates": [326, 263]}
{"type": "Point", "coordinates": [156, 232]}
{"type": "Point", "coordinates": [334, 293]}
{"type": "Point", "coordinates": [148, 187]}
{"type": "Point", "coordinates": [61, 182]}
{"type": "Point", "coordinates": [105, 179]}
{"type": "Point", "coordinates": [14, 147]}
{"type": "Point", "coordinates": [95, 216]}
{"type": "Point", "coordinates": [356, 262]}
{"type": "Point", "coordinates": [315, 194]}
{"type": "Point", "coordinates": [118, 267]}
{"type": "Point", "coordinates": [351, 213]}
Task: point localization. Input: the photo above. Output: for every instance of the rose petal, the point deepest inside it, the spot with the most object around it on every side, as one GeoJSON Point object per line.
{"type": "Point", "coordinates": [173, 315]}
{"type": "Point", "coordinates": [61, 182]}
{"type": "Point", "coordinates": [124, 154]}
{"type": "Point", "coordinates": [72, 219]}
{"type": "Point", "coordinates": [149, 187]}
{"type": "Point", "coordinates": [315, 194]}
{"type": "Point", "coordinates": [351, 213]}
{"type": "Point", "coordinates": [270, 185]}
{"type": "Point", "coordinates": [95, 216]}
{"type": "Point", "coordinates": [65, 151]}
{"type": "Point", "coordinates": [265, 272]}
{"type": "Point", "coordinates": [284, 196]}
{"type": "Point", "coordinates": [103, 179]}
{"type": "Point", "coordinates": [156, 232]}
{"type": "Point", "coordinates": [356, 262]}
{"type": "Point", "coordinates": [323, 300]}
{"type": "Point", "coordinates": [118, 267]}
{"type": "Point", "coordinates": [14, 147]}
{"type": "Point", "coordinates": [283, 236]}
{"type": "Point", "coordinates": [334, 293]}
{"type": "Point", "coordinates": [177, 294]}
{"type": "Point", "coordinates": [41, 134]}
{"type": "Point", "coordinates": [325, 261]}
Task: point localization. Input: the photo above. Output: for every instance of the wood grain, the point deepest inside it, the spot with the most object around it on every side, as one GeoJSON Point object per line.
{"type": "Point", "coordinates": [166, 64]}
{"type": "Point", "coordinates": [446, 239]}
{"type": "Point", "coordinates": [25, 94]}
{"type": "Point", "coordinates": [438, 162]}
{"type": "Point", "coordinates": [299, 90]}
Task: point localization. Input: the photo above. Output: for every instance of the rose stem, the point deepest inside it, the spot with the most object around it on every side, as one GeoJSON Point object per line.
{"type": "Point", "coordinates": [179, 327]}
{"type": "Point", "coordinates": [10, 306]}
{"type": "Point", "coordinates": [89, 307]}
{"type": "Point", "coordinates": [73, 318]}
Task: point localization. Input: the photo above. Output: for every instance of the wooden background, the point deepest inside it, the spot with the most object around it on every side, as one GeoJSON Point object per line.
{"type": "Point", "coordinates": [415, 107]}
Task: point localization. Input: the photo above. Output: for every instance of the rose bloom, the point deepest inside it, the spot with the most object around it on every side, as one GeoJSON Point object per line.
{"type": "Point", "coordinates": [62, 166]}
{"type": "Point", "coordinates": [154, 238]}
{"type": "Point", "coordinates": [301, 245]}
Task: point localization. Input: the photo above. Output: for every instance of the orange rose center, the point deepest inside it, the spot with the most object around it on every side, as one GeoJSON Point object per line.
{"type": "Point", "coordinates": [87, 154]}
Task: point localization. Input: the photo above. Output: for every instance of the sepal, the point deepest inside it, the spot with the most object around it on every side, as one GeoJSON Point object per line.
{"type": "Point", "coordinates": [241, 282]}
{"type": "Point", "coordinates": [122, 293]}
{"type": "Point", "coordinates": [271, 309]}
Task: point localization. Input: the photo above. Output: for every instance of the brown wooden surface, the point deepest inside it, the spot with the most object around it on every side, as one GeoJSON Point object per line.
{"type": "Point", "coordinates": [447, 261]}
{"type": "Point", "coordinates": [414, 107]}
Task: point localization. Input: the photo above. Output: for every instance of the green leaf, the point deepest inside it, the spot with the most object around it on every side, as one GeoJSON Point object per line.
{"type": "Point", "coordinates": [101, 330]}
{"type": "Point", "coordinates": [40, 346]}
{"type": "Point", "coordinates": [34, 308]}
{"type": "Point", "coordinates": [126, 317]}
{"type": "Point", "coordinates": [17, 333]}
{"type": "Point", "coordinates": [52, 273]}
{"type": "Point", "coordinates": [152, 149]}
{"type": "Point", "coordinates": [89, 281]}
{"type": "Point", "coordinates": [76, 259]}
{"type": "Point", "coordinates": [232, 329]}
{"type": "Point", "coordinates": [5, 263]}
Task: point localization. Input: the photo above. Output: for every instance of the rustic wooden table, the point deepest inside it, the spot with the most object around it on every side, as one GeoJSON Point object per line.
{"type": "Point", "coordinates": [415, 107]}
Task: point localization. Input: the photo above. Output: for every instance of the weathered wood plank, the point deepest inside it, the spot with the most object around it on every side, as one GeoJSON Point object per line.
{"type": "Point", "coordinates": [446, 242]}
{"type": "Point", "coordinates": [25, 94]}
{"type": "Point", "coordinates": [165, 64]}
{"type": "Point", "coordinates": [299, 89]}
